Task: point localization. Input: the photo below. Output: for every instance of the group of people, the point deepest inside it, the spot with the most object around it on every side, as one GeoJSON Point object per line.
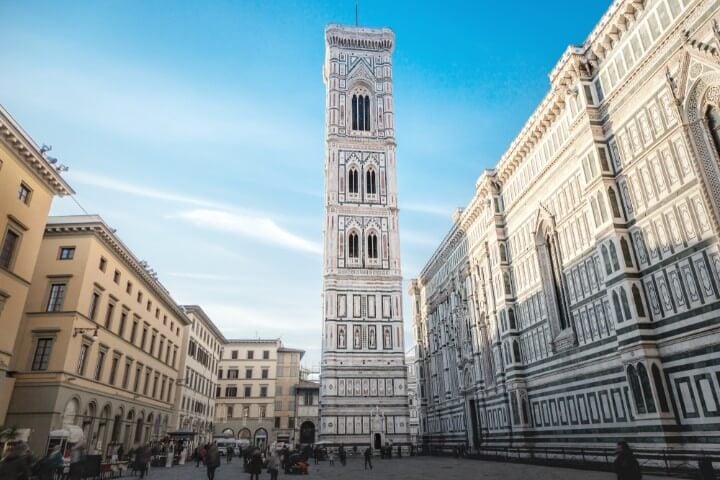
{"type": "Point", "coordinates": [254, 460]}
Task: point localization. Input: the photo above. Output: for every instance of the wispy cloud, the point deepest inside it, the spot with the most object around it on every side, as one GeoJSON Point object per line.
{"type": "Point", "coordinates": [202, 276]}
{"type": "Point", "coordinates": [428, 208]}
{"type": "Point", "coordinates": [418, 238]}
{"type": "Point", "coordinates": [117, 185]}
{"type": "Point", "coordinates": [259, 228]}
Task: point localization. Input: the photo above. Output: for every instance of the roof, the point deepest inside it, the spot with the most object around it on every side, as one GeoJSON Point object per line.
{"type": "Point", "coordinates": [308, 384]}
{"type": "Point", "coordinates": [292, 350]}
{"type": "Point", "coordinates": [28, 151]}
{"type": "Point", "coordinates": [94, 224]}
{"type": "Point", "coordinates": [197, 310]}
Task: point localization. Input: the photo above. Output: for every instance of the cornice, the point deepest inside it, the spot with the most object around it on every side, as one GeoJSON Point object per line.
{"type": "Point", "coordinates": [197, 310]}
{"type": "Point", "coordinates": [27, 151]}
{"type": "Point", "coordinates": [359, 38]}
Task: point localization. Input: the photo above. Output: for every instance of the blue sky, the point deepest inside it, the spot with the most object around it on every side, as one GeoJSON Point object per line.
{"type": "Point", "coordinates": [196, 129]}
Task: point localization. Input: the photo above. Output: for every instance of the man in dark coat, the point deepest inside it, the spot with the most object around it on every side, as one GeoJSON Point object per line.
{"type": "Point", "coordinates": [212, 461]}
{"type": "Point", "coordinates": [368, 458]}
{"type": "Point", "coordinates": [255, 465]}
{"type": "Point", "coordinates": [626, 465]}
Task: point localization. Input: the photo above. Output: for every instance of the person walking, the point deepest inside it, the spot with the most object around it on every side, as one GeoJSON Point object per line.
{"type": "Point", "coordinates": [274, 465]}
{"type": "Point", "coordinates": [368, 458]}
{"type": "Point", "coordinates": [49, 464]}
{"type": "Point", "coordinates": [143, 456]}
{"type": "Point", "coordinates": [77, 460]}
{"type": "Point", "coordinates": [15, 465]}
{"type": "Point", "coordinates": [626, 465]}
{"type": "Point", "coordinates": [212, 461]}
{"type": "Point", "coordinates": [229, 453]}
{"type": "Point", "coordinates": [342, 455]}
{"type": "Point", "coordinates": [331, 458]}
{"type": "Point", "coordinates": [255, 465]}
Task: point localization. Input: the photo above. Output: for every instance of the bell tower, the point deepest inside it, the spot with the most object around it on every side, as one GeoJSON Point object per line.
{"type": "Point", "coordinates": [363, 392]}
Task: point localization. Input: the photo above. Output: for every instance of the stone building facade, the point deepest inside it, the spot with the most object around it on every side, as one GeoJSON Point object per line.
{"type": "Point", "coordinates": [307, 411]}
{"type": "Point", "coordinates": [99, 341]}
{"type": "Point", "coordinates": [201, 349]}
{"type": "Point", "coordinates": [248, 379]}
{"type": "Point", "coordinates": [288, 376]}
{"type": "Point", "coordinates": [28, 183]}
{"type": "Point", "coordinates": [574, 301]}
{"type": "Point", "coordinates": [413, 398]}
{"type": "Point", "coordinates": [363, 385]}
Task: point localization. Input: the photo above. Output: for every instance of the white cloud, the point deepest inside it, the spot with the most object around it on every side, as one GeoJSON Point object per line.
{"type": "Point", "coordinates": [250, 226]}
{"type": "Point", "coordinates": [202, 276]}
{"type": "Point", "coordinates": [269, 321]}
{"type": "Point", "coordinates": [429, 208]}
{"type": "Point", "coordinates": [116, 185]}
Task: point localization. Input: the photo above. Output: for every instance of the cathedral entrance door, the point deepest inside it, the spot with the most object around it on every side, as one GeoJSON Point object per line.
{"type": "Point", "coordinates": [472, 410]}
{"type": "Point", "coordinates": [378, 441]}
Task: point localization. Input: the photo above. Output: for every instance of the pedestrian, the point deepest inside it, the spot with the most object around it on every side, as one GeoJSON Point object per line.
{"type": "Point", "coordinates": [212, 460]}
{"type": "Point", "coordinates": [255, 465]}
{"type": "Point", "coordinates": [274, 466]}
{"type": "Point", "coordinates": [15, 464]}
{"type": "Point", "coordinates": [316, 454]}
{"type": "Point", "coordinates": [399, 452]}
{"type": "Point", "coordinates": [142, 459]}
{"type": "Point", "coordinates": [49, 464]}
{"type": "Point", "coordinates": [77, 458]}
{"type": "Point", "coordinates": [170, 453]}
{"type": "Point", "coordinates": [626, 465]}
{"type": "Point", "coordinates": [120, 453]}
{"type": "Point", "coordinates": [705, 467]}
{"type": "Point", "coordinates": [229, 453]}
{"type": "Point", "coordinates": [368, 458]}
{"type": "Point", "coordinates": [331, 457]}
{"type": "Point", "coordinates": [342, 455]}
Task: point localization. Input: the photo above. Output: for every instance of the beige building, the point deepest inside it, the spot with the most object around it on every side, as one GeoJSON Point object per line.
{"type": "Point", "coordinates": [201, 349]}
{"type": "Point", "coordinates": [574, 302]}
{"type": "Point", "coordinates": [99, 343]}
{"type": "Point", "coordinates": [28, 183]}
{"type": "Point", "coordinates": [246, 392]}
{"type": "Point", "coordinates": [288, 376]}
{"type": "Point", "coordinates": [307, 412]}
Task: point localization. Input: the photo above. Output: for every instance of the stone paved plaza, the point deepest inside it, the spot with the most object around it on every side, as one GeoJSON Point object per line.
{"type": "Point", "coordinates": [406, 468]}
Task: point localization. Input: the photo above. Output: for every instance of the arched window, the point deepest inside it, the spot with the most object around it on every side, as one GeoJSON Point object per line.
{"type": "Point", "coordinates": [636, 390]}
{"type": "Point", "coordinates": [353, 246]}
{"type": "Point", "coordinates": [372, 246]}
{"type": "Point", "coordinates": [511, 315]}
{"type": "Point", "coordinates": [647, 390]}
{"type": "Point", "coordinates": [624, 300]}
{"type": "Point", "coordinates": [503, 253]}
{"type": "Point", "coordinates": [713, 119]}
{"type": "Point", "coordinates": [614, 203]}
{"type": "Point", "coordinates": [606, 259]}
{"type": "Point", "coordinates": [626, 252]}
{"type": "Point", "coordinates": [638, 301]}
{"type": "Point", "coordinates": [550, 264]}
{"type": "Point", "coordinates": [616, 304]}
{"type": "Point", "coordinates": [657, 380]}
{"type": "Point", "coordinates": [601, 206]}
{"type": "Point", "coordinates": [516, 351]}
{"type": "Point", "coordinates": [614, 257]}
{"type": "Point", "coordinates": [506, 281]}
{"type": "Point", "coordinates": [593, 205]}
{"type": "Point", "coordinates": [370, 186]}
{"type": "Point", "coordinates": [361, 112]}
{"type": "Point", "coordinates": [353, 180]}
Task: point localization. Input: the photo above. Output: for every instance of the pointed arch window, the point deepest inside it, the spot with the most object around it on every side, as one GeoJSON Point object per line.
{"type": "Point", "coordinates": [657, 380]}
{"type": "Point", "coordinates": [601, 206]}
{"type": "Point", "coordinates": [614, 203]}
{"type": "Point", "coordinates": [634, 381]}
{"type": "Point", "coordinates": [616, 305]}
{"type": "Point", "coordinates": [606, 259]}
{"type": "Point", "coordinates": [712, 116]}
{"type": "Point", "coordinates": [614, 257]}
{"type": "Point", "coordinates": [646, 389]}
{"type": "Point", "coordinates": [370, 184]}
{"type": "Point", "coordinates": [361, 112]}
{"type": "Point", "coordinates": [637, 299]}
{"type": "Point", "coordinates": [625, 305]}
{"type": "Point", "coordinates": [550, 263]}
{"type": "Point", "coordinates": [353, 180]}
{"type": "Point", "coordinates": [511, 316]}
{"type": "Point", "coordinates": [372, 245]}
{"type": "Point", "coordinates": [626, 252]}
{"type": "Point", "coordinates": [516, 351]}
{"type": "Point", "coordinates": [353, 247]}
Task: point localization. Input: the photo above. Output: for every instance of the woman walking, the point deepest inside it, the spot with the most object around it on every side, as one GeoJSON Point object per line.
{"type": "Point", "coordinates": [626, 465]}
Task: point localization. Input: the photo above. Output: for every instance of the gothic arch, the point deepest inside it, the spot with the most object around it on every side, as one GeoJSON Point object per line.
{"type": "Point", "coordinates": [705, 91]}
{"type": "Point", "coordinates": [550, 265]}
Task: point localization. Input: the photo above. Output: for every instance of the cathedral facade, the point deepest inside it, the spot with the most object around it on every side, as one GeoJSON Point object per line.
{"type": "Point", "coordinates": [576, 298]}
{"type": "Point", "coordinates": [363, 397]}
